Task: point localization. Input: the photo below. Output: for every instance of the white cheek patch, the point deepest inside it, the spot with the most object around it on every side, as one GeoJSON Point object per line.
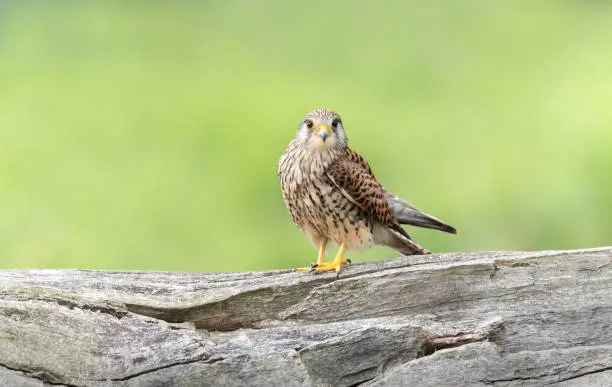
{"type": "Point", "coordinates": [302, 135]}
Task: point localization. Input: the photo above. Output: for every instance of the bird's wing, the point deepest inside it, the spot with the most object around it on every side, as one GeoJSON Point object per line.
{"type": "Point", "coordinates": [354, 177]}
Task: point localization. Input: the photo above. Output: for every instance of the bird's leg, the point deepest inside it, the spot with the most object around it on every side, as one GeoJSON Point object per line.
{"type": "Point", "coordinates": [336, 264]}
{"type": "Point", "coordinates": [319, 258]}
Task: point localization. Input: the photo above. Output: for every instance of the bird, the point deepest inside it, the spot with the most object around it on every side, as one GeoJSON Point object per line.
{"type": "Point", "coordinates": [334, 197]}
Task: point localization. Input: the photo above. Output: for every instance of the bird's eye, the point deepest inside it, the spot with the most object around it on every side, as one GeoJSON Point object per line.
{"type": "Point", "coordinates": [309, 124]}
{"type": "Point", "coordinates": [335, 123]}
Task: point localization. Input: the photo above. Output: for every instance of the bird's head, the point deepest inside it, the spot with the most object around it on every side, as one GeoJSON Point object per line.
{"type": "Point", "coordinates": [321, 130]}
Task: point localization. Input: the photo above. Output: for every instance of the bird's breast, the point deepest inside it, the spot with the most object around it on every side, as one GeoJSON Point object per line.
{"type": "Point", "coordinates": [316, 204]}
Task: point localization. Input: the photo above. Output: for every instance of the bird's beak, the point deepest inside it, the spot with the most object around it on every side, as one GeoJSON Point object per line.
{"type": "Point", "coordinates": [323, 131]}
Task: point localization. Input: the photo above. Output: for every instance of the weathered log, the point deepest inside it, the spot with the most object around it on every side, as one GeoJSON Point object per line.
{"type": "Point", "coordinates": [490, 318]}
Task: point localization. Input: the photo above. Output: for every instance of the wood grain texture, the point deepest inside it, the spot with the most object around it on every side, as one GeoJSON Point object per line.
{"type": "Point", "coordinates": [489, 318]}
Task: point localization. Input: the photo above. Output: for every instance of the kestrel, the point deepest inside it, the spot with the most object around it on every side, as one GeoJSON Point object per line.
{"type": "Point", "coordinates": [333, 195]}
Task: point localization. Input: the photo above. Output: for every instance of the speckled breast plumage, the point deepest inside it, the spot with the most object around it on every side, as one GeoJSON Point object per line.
{"type": "Point", "coordinates": [316, 204]}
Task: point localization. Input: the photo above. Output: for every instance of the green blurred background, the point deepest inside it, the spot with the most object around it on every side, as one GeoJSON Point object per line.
{"type": "Point", "coordinates": [143, 135]}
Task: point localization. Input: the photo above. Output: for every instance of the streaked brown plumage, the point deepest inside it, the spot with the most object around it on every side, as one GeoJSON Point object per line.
{"type": "Point", "coordinates": [333, 196]}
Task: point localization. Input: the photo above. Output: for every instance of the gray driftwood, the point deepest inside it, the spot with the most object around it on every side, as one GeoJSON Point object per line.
{"type": "Point", "coordinates": [491, 318]}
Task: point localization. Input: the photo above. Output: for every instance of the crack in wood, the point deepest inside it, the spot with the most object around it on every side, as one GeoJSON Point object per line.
{"type": "Point", "coordinates": [162, 367]}
{"type": "Point", "coordinates": [597, 371]}
{"type": "Point", "coordinates": [42, 376]}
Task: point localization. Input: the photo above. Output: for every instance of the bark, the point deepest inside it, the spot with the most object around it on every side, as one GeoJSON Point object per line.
{"type": "Point", "coordinates": [488, 318]}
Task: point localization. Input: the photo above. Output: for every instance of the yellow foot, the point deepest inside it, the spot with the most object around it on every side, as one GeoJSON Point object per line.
{"type": "Point", "coordinates": [331, 266]}
{"type": "Point", "coordinates": [323, 266]}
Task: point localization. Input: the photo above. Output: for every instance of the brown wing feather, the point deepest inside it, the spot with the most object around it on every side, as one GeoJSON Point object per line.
{"type": "Point", "coordinates": [353, 175]}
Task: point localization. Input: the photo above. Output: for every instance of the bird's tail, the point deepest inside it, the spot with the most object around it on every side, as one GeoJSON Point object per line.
{"type": "Point", "coordinates": [395, 236]}
{"type": "Point", "coordinates": [412, 248]}
{"type": "Point", "coordinates": [406, 213]}
{"type": "Point", "coordinates": [406, 245]}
